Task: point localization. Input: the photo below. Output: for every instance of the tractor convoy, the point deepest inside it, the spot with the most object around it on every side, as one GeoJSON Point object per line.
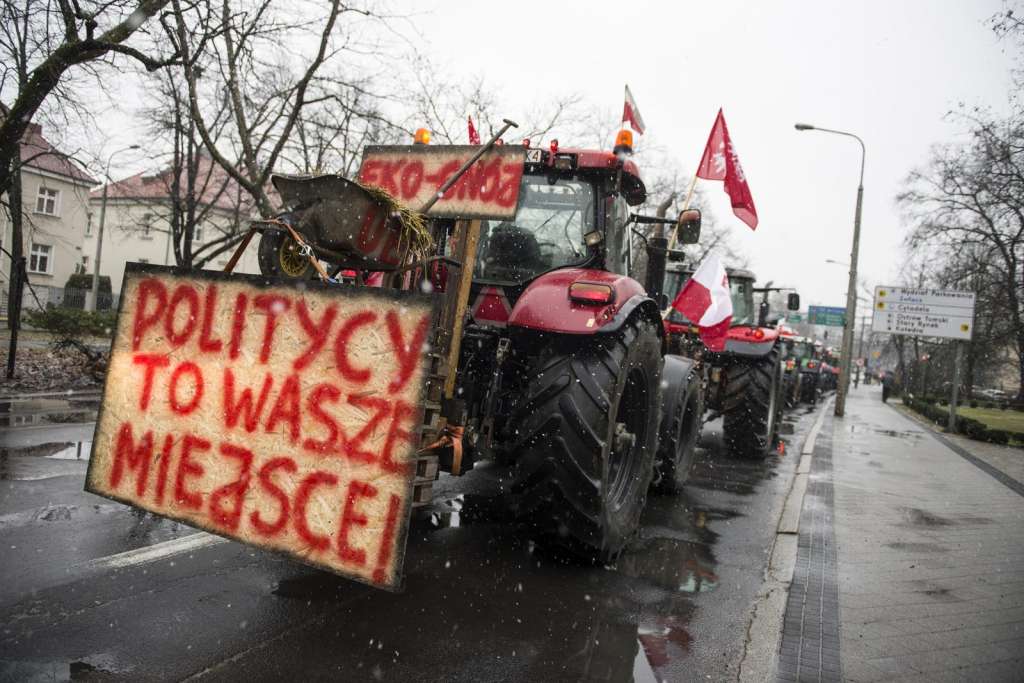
{"type": "Point", "coordinates": [562, 366]}
{"type": "Point", "coordinates": [542, 352]}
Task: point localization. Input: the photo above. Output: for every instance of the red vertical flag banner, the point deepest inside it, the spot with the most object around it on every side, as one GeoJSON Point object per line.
{"type": "Point", "coordinates": [474, 137]}
{"type": "Point", "coordinates": [720, 162]}
{"type": "Point", "coordinates": [631, 113]}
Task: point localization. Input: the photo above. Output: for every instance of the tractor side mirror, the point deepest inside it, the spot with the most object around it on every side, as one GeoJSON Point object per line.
{"type": "Point", "coordinates": [793, 301]}
{"type": "Point", "coordinates": [688, 227]}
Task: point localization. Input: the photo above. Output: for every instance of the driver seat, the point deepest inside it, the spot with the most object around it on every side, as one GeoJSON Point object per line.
{"type": "Point", "coordinates": [511, 253]}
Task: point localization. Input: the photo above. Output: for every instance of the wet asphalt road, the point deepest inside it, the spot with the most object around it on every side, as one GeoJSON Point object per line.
{"type": "Point", "coordinates": [481, 602]}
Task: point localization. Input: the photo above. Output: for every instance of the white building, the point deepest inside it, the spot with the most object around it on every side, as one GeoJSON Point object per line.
{"type": "Point", "coordinates": [55, 197]}
{"type": "Point", "coordinates": [139, 215]}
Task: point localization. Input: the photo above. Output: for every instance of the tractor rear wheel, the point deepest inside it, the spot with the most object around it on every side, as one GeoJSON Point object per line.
{"type": "Point", "coordinates": [751, 405]}
{"type": "Point", "coordinates": [583, 435]}
{"type": "Point", "coordinates": [279, 256]}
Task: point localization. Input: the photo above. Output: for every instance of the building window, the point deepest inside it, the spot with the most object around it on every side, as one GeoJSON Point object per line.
{"type": "Point", "coordinates": [85, 264]}
{"type": "Point", "coordinates": [48, 201]}
{"type": "Point", "coordinates": [40, 259]}
{"type": "Point", "coordinates": [143, 260]}
{"type": "Point", "coordinates": [197, 233]}
{"type": "Point", "coordinates": [88, 224]}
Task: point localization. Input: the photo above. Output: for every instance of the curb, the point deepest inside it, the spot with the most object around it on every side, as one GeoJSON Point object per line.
{"type": "Point", "coordinates": [764, 630]}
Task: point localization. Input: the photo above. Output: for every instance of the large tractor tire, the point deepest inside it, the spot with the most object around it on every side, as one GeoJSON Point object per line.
{"type": "Point", "coordinates": [682, 419]}
{"type": "Point", "coordinates": [279, 255]}
{"type": "Point", "coordinates": [751, 404]}
{"type": "Point", "coordinates": [583, 435]}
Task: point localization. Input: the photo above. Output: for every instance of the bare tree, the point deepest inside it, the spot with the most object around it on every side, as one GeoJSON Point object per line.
{"type": "Point", "coordinates": [442, 104]}
{"type": "Point", "coordinates": [970, 200]}
{"type": "Point", "coordinates": [195, 193]}
{"type": "Point", "coordinates": [254, 63]}
{"type": "Point", "coordinates": [41, 41]}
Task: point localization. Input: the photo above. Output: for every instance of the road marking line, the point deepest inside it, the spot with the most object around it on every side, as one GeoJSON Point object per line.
{"type": "Point", "coordinates": [157, 551]}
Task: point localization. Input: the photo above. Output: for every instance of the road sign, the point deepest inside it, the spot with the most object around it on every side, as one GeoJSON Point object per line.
{"type": "Point", "coordinates": [826, 315]}
{"type": "Point", "coordinates": [794, 317]}
{"type": "Point", "coordinates": [922, 312]}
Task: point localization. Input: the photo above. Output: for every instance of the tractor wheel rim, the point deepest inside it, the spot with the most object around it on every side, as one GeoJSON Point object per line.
{"type": "Point", "coordinates": [293, 263]}
{"type": "Point", "coordinates": [628, 436]}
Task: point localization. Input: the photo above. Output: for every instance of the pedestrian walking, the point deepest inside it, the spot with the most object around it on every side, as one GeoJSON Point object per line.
{"type": "Point", "coordinates": [886, 386]}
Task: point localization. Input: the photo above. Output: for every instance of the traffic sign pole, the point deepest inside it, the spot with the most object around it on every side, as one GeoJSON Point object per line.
{"type": "Point", "coordinates": [956, 385]}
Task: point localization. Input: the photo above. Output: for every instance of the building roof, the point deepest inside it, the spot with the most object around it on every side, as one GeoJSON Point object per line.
{"type": "Point", "coordinates": [38, 153]}
{"type": "Point", "coordinates": [213, 186]}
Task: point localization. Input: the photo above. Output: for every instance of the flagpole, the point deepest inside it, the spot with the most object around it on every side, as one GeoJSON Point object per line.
{"type": "Point", "coordinates": [689, 193]}
{"type": "Point", "coordinates": [686, 205]}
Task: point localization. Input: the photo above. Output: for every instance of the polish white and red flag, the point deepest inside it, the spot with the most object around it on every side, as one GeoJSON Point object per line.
{"type": "Point", "coordinates": [474, 137]}
{"type": "Point", "coordinates": [704, 300]}
{"type": "Point", "coordinates": [720, 162]}
{"type": "Point", "coordinates": [632, 114]}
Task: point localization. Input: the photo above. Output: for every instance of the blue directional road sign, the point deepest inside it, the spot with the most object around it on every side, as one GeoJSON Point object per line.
{"type": "Point", "coordinates": [834, 316]}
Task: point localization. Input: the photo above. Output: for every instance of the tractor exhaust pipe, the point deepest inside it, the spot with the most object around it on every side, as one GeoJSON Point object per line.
{"type": "Point", "coordinates": [657, 255]}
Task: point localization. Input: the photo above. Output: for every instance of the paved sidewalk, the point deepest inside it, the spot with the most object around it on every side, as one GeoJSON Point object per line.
{"type": "Point", "coordinates": [929, 549]}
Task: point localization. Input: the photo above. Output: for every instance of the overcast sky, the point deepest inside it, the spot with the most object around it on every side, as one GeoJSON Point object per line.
{"type": "Point", "coordinates": [888, 71]}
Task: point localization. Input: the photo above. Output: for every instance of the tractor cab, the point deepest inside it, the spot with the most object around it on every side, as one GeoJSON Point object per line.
{"type": "Point", "coordinates": [572, 214]}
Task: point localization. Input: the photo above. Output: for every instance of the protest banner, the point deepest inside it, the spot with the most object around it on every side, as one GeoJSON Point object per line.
{"type": "Point", "coordinates": [413, 175]}
{"type": "Point", "coordinates": [285, 415]}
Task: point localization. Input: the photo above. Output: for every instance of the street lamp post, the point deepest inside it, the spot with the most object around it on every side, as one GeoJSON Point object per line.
{"type": "Point", "coordinates": [851, 290]}
{"type": "Point", "coordinates": [93, 304]}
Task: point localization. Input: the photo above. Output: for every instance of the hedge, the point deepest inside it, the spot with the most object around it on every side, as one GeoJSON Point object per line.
{"type": "Point", "coordinates": [969, 427]}
{"type": "Point", "coordinates": [72, 322]}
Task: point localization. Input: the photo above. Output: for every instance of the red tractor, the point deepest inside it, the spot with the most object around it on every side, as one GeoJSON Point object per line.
{"type": "Point", "coordinates": [560, 368]}
{"type": "Point", "coordinates": [745, 381]}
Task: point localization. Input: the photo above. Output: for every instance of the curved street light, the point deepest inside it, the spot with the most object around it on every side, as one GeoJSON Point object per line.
{"type": "Point", "coordinates": [851, 293]}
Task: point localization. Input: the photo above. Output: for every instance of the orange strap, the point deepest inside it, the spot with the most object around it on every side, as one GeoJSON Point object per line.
{"type": "Point", "coordinates": [451, 435]}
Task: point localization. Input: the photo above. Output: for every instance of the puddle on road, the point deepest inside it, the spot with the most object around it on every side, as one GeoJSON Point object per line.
{"type": "Point", "coordinates": [679, 566]}
{"type": "Point", "coordinates": [919, 517]}
{"type": "Point", "coordinates": [917, 547]}
{"type": "Point", "coordinates": [43, 411]}
{"type": "Point", "coordinates": [44, 461]}
{"type": "Point", "coordinates": [911, 434]}
{"type": "Point", "coordinates": [98, 668]}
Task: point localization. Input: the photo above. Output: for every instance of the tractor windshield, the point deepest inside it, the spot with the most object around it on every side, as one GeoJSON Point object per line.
{"type": "Point", "coordinates": [547, 232]}
{"type": "Point", "coordinates": [741, 291]}
{"type": "Point", "coordinates": [803, 350]}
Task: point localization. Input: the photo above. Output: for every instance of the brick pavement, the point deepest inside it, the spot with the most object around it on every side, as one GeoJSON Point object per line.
{"type": "Point", "coordinates": [930, 551]}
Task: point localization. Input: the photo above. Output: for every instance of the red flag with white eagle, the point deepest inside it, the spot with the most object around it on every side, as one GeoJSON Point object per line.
{"type": "Point", "coordinates": [474, 137]}
{"type": "Point", "coordinates": [632, 114]}
{"type": "Point", "coordinates": [704, 300]}
{"type": "Point", "coordinates": [720, 162]}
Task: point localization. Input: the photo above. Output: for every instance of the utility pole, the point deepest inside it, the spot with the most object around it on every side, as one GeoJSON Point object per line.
{"type": "Point", "coordinates": [860, 351]}
{"type": "Point", "coordinates": [956, 386]}
{"type": "Point", "coordinates": [851, 289]}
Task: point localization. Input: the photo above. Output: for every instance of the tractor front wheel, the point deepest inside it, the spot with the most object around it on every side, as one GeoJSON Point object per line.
{"type": "Point", "coordinates": [751, 404]}
{"type": "Point", "coordinates": [583, 435]}
{"type": "Point", "coordinates": [677, 447]}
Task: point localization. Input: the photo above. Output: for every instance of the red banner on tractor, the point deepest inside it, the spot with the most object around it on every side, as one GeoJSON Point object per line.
{"type": "Point", "coordinates": [414, 174]}
{"type": "Point", "coordinates": [286, 416]}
